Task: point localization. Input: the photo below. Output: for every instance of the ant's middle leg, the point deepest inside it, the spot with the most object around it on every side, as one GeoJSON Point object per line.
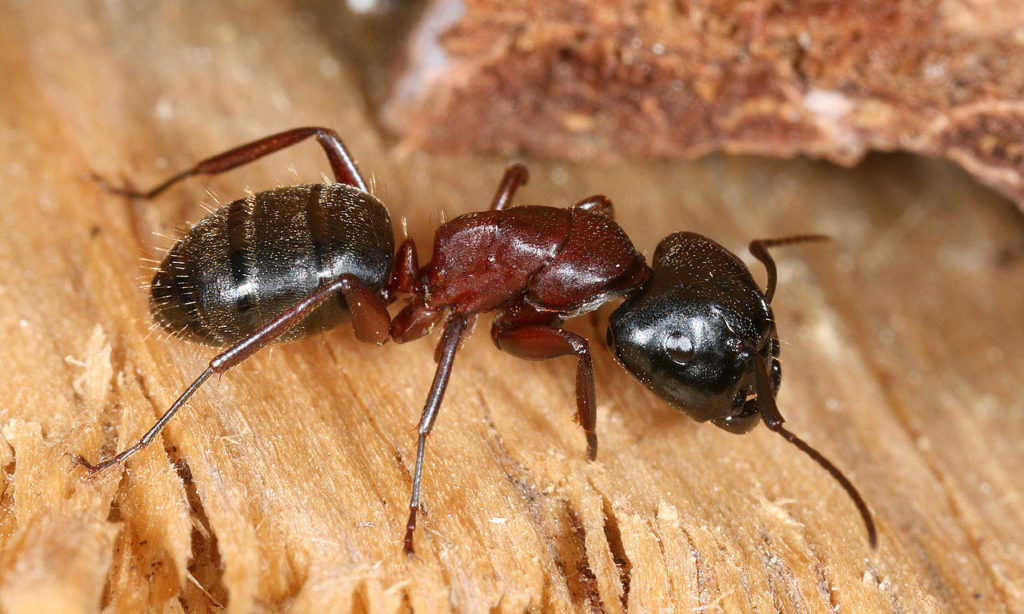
{"type": "Point", "coordinates": [454, 332]}
{"type": "Point", "coordinates": [369, 318]}
{"type": "Point", "coordinates": [527, 333]}
{"type": "Point", "coordinates": [342, 164]}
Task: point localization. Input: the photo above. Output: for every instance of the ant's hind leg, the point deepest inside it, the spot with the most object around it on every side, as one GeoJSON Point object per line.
{"type": "Point", "coordinates": [369, 317]}
{"type": "Point", "coordinates": [342, 164]}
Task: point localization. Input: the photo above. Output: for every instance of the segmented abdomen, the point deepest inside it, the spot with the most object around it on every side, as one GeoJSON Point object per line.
{"type": "Point", "coordinates": [250, 260]}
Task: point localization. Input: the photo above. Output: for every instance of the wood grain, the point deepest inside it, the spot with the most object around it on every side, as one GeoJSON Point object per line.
{"type": "Point", "coordinates": [283, 486]}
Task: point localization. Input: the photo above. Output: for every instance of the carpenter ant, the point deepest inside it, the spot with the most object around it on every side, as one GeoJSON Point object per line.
{"type": "Point", "coordinates": [293, 261]}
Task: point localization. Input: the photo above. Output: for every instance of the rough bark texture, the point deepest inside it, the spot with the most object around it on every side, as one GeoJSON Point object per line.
{"type": "Point", "coordinates": [283, 486]}
{"type": "Point", "coordinates": [624, 79]}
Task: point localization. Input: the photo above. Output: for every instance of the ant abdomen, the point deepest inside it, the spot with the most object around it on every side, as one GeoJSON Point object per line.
{"type": "Point", "coordinates": [249, 261]}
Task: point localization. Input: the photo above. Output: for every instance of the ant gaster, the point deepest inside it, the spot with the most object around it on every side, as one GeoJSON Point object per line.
{"type": "Point", "coordinates": [293, 261]}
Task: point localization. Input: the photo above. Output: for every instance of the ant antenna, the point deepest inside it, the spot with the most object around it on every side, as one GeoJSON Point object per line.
{"type": "Point", "coordinates": [773, 420]}
{"type": "Point", "coordinates": [759, 249]}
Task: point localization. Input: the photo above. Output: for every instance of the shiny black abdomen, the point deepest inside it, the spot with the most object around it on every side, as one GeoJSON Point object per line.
{"type": "Point", "coordinates": [249, 261]}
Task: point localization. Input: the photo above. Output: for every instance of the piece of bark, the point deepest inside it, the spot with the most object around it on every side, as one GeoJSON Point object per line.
{"type": "Point", "coordinates": [623, 79]}
{"type": "Point", "coordinates": [283, 486]}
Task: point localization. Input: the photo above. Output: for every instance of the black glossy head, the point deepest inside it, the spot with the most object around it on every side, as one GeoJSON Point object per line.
{"type": "Point", "coordinates": [701, 335]}
{"type": "Point", "coordinates": [691, 333]}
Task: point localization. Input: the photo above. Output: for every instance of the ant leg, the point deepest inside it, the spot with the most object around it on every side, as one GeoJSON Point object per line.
{"type": "Point", "coordinates": [453, 332]}
{"type": "Point", "coordinates": [342, 164]}
{"type": "Point", "coordinates": [759, 249]}
{"type": "Point", "coordinates": [773, 420]}
{"type": "Point", "coordinates": [414, 321]}
{"type": "Point", "coordinates": [515, 176]}
{"type": "Point", "coordinates": [534, 335]}
{"type": "Point", "coordinates": [598, 204]}
{"type": "Point", "coordinates": [369, 317]}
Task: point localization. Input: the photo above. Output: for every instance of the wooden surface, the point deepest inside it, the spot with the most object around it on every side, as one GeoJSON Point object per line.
{"type": "Point", "coordinates": [283, 487]}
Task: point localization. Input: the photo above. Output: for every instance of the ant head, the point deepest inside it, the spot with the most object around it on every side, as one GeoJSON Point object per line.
{"type": "Point", "coordinates": [693, 333]}
{"type": "Point", "coordinates": [701, 335]}
{"type": "Point", "coordinates": [691, 353]}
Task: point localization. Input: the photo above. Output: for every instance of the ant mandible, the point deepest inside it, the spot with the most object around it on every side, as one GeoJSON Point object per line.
{"type": "Point", "coordinates": [696, 328]}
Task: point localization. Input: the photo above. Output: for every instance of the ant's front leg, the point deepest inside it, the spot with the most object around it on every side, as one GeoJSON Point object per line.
{"type": "Point", "coordinates": [528, 333]}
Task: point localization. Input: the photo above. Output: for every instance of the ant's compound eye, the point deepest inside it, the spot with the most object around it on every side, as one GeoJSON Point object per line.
{"type": "Point", "coordinates": [679, 347]}
{"type": "Point", "coordinates": [609, 339]}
